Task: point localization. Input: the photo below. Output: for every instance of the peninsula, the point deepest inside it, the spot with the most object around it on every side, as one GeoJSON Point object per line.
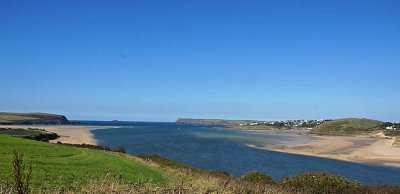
{"type": "Point", "coordinates": [68, 131]}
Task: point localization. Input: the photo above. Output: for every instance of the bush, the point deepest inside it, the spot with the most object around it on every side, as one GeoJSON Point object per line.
{"type": "Point", "coordinates": [392, 133]}
{"type": "Point", "coordinates": [166, 162]}
{"type": "Point", "coordinates": [45, 137]}
{"type": "Point", "coordinates": [21, 176]}
{"type": "Point", "coordinates": [88, 146]}
{"type": "Point", "coordinates": [120, 149]}
{"type": "Point", "coordinates": [319, 183]}
{"type": "Point", "coordinates": [379, 189]}
{"type": "Point", "coordinates": [218, 173]}
{"type": "Point", "coordinates": [257, 177]}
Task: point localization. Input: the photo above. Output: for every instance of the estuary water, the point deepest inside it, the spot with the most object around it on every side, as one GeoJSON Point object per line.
{"type": "Point", "coordinates": [228, 150]}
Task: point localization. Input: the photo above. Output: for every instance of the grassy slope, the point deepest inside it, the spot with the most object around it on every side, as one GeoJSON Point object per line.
{"type": "Point", "coordinates": [17, 118]}
{"type": "Point", "coordinates": [59, 165]}
{"type": "Point", "coordinates": [350, 126]}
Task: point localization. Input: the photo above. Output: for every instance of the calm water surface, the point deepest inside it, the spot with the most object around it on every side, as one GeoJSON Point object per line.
{"type": "Point", "coordinates": [227, 150]}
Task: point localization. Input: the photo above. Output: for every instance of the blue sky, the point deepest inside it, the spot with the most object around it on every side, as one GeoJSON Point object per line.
{"type": "Point", "coordinates": [160, 60]}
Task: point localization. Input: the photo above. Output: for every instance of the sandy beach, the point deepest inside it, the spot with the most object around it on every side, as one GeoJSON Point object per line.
{"type": "Point", "coordinates": [72, 134]}
{"type": "Point", "coordinates": [354, 149]}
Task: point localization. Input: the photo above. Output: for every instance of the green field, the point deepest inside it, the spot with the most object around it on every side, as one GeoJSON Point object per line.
{"type": "Point", "coordinates": [350, 126]}
{"type": "Point", "coordinates": [63, 166]}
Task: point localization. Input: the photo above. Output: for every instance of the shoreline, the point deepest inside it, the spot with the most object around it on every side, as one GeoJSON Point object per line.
{"type": "Point", "coordinates": [358, 149]}
{"type": "Point", "coordinates": [71, 134]}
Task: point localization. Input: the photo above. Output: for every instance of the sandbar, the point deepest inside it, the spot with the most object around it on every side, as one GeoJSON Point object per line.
{"type": "Point", "coordinates": [355, 149]}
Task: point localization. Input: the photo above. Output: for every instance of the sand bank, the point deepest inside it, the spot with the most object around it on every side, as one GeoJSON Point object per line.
{"type": "Point", "coordinates": [72, 134]}
{"type": "Point", "coordinates": [354, 149]}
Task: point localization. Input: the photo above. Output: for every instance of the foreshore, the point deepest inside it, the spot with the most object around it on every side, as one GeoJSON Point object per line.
{"type": "Point", "coordinates": [353, 149]}
{"type": "Point", "coordinates": [72, 134]}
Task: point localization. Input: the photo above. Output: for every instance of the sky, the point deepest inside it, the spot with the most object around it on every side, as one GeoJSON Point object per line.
{"type": "Point", "coordinates": [232, 59]}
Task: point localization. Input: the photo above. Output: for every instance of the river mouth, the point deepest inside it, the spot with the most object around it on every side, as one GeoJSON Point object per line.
{"type": "Point", "coordinates": [233, 151]}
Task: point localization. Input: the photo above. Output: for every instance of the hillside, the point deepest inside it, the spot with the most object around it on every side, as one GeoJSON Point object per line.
{"type": "Point", "coordinates": [62, 166]}
{"type": "Point", "coordinates": [348, 126]}
{"type": "Point", "coordinates": [7, 118]}
{"type": "Point", "coordinates": [212, 121]}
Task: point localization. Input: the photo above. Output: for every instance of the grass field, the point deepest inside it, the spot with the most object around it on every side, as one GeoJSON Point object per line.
{"type": "Point", "coordinates": [63, 166]}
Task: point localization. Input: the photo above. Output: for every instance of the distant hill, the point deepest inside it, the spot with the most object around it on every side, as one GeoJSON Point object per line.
{"type": "Point", "coordinates": [348, 126]}
{"type": "Point", "coordinates": [7, 118]}
{"type": "Point", "coordinates": [213, 121]}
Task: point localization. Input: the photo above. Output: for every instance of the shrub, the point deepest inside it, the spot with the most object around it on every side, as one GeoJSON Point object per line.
{"type": "Point", "coordinates": [21, 176]}
{"type": "Point", "coordinates": [88, 146]}
{"type": "Point", "coordinates": [218, 173]}
{"type": "Point", "coordinates": [121, 149]}
{"type": "Point", "coordinates": [380, 189]}
{"type": "Point", "coordinates": [257, 177]}
{"type": "Point", "coordinates": [167, 162]}
{"type": "Point", "coordinates": [319, 183]}
{"type": "Point", "coordinates": [392, 133]}
{"type": "Point", "coordinates": [45, 137]}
